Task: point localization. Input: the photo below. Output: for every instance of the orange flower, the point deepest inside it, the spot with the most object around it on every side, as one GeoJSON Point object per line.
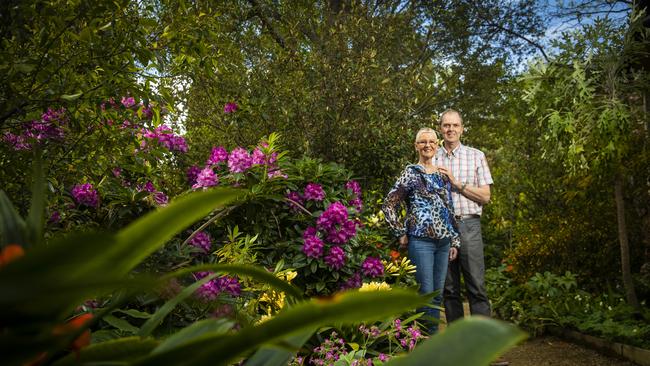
{"type": "Point", "coordinates": [10, 253]}
{"type": "Point", "coordinates": [509, 268]}
{"type": "Point", "coordinates": [394, 254]}
{"type": "Point", "coordinates": [72, 325]}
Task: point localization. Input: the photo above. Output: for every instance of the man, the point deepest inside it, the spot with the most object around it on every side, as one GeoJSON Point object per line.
{"type": "Point", "coordinates": [470, 178]}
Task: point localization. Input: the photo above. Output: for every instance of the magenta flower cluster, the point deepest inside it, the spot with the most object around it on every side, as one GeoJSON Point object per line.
{"type": "Point", "coordinates": [201, 240]}
{"type": "Point", "coordinates": [407, 338]}
{"type": "Point", "coordinates": [297, 198]}
{"type": "Point", "coordinates": [49, 127]}
{"type": "Point", "coordinates": [353, 282]}
{"type": "Point", "coordinates": [192, 174]}
{"type": "Point", "coordinates": [353, 185]}
{"type": "Point", "coordinates": [335, 258]}
{"type": "Point", "coordinates": [329, 351]}
{"type": "Point", "coordinates": [206, 178]}
{"type": "Point", "coordinates": [128, 102]}
{"type": "Point", "coordinates": [239, 160]}
{"type": "Point", "coordinates": [85, 195]}
{"type": "Point", "coordinates": [213, 288]}
{"type": "Point", "coordinates": [230, 107]}
{"type": "Point", "coordinates": [372, 267]}
{"type": "Point", "coordinates": [164, 136]}
{"type": "Point", "coordinates": [217, 155]}
{"type": "Point", "coordinates": [314, 192]}
{"type": "Point", "coordinates": [313, 246]}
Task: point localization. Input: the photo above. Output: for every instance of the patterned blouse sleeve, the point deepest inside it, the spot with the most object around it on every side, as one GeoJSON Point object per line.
{"type": "Point", "coordinates": [393, 204]}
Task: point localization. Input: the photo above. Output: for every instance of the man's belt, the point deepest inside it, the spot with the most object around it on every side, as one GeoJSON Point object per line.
{"type": "Point", "coordinates": [465, 217]}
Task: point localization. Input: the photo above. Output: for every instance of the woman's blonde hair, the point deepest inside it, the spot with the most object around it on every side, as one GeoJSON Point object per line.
{"type": "Point", "coordinates": [424, 130]}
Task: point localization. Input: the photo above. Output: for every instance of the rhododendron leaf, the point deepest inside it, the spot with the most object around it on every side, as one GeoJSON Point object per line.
{"type": "Point", "coordinates": [71, 97]}
{"type": "Point", "coordinates": [343, 308]}
{"type": "Point", "coordinates": [120, 324]}
{"type": "Point", "coordinates": [471, 341]}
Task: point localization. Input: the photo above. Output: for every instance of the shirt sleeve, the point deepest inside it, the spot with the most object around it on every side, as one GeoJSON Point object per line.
{"type": "Point", "coordinates": [483, 171]}
{"type": "Point", "coordinates": [393, 204]}
{"type": "Point", "coordinates": [455, 240]}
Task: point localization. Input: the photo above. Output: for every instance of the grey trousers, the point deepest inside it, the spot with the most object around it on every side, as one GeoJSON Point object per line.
{"type": "Point", "coordinates": [471, 266]}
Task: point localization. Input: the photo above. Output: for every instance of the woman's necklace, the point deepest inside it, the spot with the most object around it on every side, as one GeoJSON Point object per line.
{"type": "Point", "coordinates": [429, 169]}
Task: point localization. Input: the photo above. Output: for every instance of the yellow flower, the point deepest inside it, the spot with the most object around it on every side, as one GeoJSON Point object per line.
{"type": "Point", "coordinates": [375, 286]}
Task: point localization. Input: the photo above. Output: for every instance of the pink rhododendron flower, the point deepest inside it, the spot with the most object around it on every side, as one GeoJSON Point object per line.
{"type": "Point", "coordinates": [85, 195]}
{"type": "Point", "coordinates": [206, 178]}
{"type": "Point", "coordinates": [192, 174]}
{"type": "Point", "coordinates": [335, 258]}
{"type": "Point", "coordinates": [230, 107]}
{"type": "Point", "coordinates": [217, 155]}
{"type": "Point", "coordinates": [160, 198]}
{"type": "Point", "coordinates": [128, 102]}
{"type": "Point", "coordinates": [258, 157]}
{"type": "Point", "coordinates": [201, 240]}
{"type": "Point", "coordinates": [312, 247]}
{"type": "Point", "coordinates": [372, 267]}
{"type": "Point", "coordinates": [239, 160]}
{"type": "Point", "coordinates": [314, 192]}
{"type": "Point", "coordinates": [354, 186]}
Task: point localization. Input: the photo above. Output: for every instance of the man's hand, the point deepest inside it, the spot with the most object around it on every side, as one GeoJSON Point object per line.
{"type": "Point", "coordinates": [403, 242]}
{"type": "Point", "coordinates": [453, 253]}
{"type": "Point", "coordinates": [454, 183]}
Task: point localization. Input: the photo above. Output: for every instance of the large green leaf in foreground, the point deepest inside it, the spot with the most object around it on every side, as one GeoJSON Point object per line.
{"type": "Point", "coordinates": [471, 341]}
{"type": "Point", "coordinates": [344, 308]}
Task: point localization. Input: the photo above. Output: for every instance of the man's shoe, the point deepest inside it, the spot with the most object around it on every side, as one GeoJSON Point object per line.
{"type": "Point", "coordinates": [500, 362]}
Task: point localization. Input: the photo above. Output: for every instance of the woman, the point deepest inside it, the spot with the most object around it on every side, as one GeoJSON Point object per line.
{"type": "Point", "coordinates": [428, 228]}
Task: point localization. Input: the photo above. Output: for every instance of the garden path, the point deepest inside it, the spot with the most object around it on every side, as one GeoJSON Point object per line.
{"type": "Point", "coordinates": [549, 350]}
{"type": "Point", "coordinates": [554, 351]}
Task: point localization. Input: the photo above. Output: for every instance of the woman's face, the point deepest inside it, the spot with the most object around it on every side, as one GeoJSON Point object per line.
{"type": "Point", "coordinates": [426, 145]}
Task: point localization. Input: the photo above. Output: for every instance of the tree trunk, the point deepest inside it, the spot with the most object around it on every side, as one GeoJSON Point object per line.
{"type": "Point", "coordinates": [626, 271]}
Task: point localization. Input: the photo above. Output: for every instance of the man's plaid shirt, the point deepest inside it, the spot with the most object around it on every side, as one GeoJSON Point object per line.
{"type": "Point", "coordinates": [469, 167]}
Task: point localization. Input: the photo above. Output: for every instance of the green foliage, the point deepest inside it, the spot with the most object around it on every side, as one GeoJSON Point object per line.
{"type": "Point", "coordinates": [549, 299]}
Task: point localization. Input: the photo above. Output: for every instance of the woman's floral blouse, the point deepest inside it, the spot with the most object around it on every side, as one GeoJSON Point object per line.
{"type": "Point", "coordinates": [429, 209]}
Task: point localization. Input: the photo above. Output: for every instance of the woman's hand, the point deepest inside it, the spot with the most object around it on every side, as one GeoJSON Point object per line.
{"type": "Point", "coordinates": [403, 241]}
{"type": "Point", "coordinates": [453, 253]}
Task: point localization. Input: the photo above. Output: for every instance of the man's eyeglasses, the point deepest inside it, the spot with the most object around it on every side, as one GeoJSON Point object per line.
{"type": "Point", "coordinates": [430, 142]}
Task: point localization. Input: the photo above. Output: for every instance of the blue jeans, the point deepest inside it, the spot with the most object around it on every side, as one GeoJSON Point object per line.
{"type": "Point", "coordinates": [431, 257]}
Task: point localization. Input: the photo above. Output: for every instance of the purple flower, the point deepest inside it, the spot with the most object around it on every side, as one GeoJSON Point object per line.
{"type": "Point", "coordinates": [148, 187]}
{"type": "Point", "coordinates": [312, 247]}
{"type": "Point", "coordinates": [117, 172]}
{"type": "Point", "coordinates": [202, 241]}
{"type": "Point", "coordinates": [335, 258]}
{"type": "Point", "coordinates": [192, 174]}
{"type": "Point", "coordinates": [229, 107]}
{"type": "Point", "coordinates": [297, 198]}
{"type": "Point", "coordinates": [314, 192]}
{"type": "Point", "coordinates": [211, 289]}
{"type": "Point", "coordinates": [55, 217]}
{"type": "Point", "coordinates": [217, 155]}
{"type": "Point", "coordinates": [357, 203]}
{"type": "Point", "coordinates": [354, 186]}
{"type": "Point", "coordinates": [85, 194]}
{"type": "Point", "coordinates": [239, 160]}
{"type": "Point", "coordinates": [276, 173]}
{"type": "Point", "coordinates": [206, 178]}
{"type": "Point", "coordinates": [258, 157]}
{"type": "Point", "coordinates": [382, 357]}
{"type": "Point", "coordinates": [17, 142]}
{"type": "Point", "coordinates": [128, 102]}
{"type": "Point", "coordinates": [335, 214]}
{"type": "Point", "coordinates": [147, 112]}
{"type": "Point", "coordinates": [372, 267]}
{"type": "Point", "coordinates": [160, 198]}
{"type": "Point", "coordinates": [166, 138]}
{"type": "Point", "coordinates": [310, 231]}
{"type": "Point", "coordinates": [340, 234]}
{"type": "Point", "coordinates": [353, 282]}
{"type": "Point", "coordinates": [229, 284]}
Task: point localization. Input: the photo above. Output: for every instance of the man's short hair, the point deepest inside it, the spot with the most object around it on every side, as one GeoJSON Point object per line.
{"type": "Point", "coordinates": [450, 110]}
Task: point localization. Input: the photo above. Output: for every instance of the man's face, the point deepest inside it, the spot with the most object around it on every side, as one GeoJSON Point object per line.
{"type": "Point", "coordinates": [451, 127]}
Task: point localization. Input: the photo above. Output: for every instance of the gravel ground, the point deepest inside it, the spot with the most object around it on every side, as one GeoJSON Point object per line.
{"type": "Point", "coordinates": [549, 350]}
